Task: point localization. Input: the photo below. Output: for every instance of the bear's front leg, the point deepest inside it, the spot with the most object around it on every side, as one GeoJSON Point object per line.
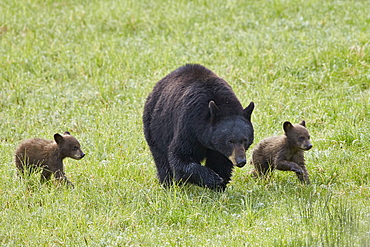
{"type": "Point", "coordinates": [219, 164]}
{"type": "Point", "coordinates": [303, 177]}
{"type": "Point", "coordinates": [60, 176]}
{"type": "Point", "coordinates": [285, 165]}
{"type": "Point", "coordinates": [195, 173]}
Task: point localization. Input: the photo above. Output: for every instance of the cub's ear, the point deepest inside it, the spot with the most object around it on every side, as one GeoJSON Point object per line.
{"type": "Point", "coordinates": [58, 138]}
{"type": "Point", "coordinates": [287, 126]}
{"type": "Point", "coordinates": [67, 133]}
{"type": "Point", "coordinates": [248, 111]}
{"type": "Point", "coordinates": [213, 109]}
{"type": "Point", "coordinates": [303, 123]}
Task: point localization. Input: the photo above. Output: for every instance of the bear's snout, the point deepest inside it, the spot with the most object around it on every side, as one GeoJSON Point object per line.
{"type": "Point", "coordinates": [240, 162]}
{"type": "Point", "coordinates": [238, 157]}
{"type": "Point", "coordinates": [305, 146]}
{"type": "Point", "coordinates": [309, 146]}
{"type": "Point", "coordinates": [78, 156]}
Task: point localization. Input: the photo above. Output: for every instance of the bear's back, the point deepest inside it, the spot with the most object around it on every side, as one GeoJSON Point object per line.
{"type": "Point", "coordinates": [193, 86]}
{"type": "Point", "coordinates": [270, 148]}
{"type": "Point", "coordinates": [194, 71]}
{"type": "Point", "coordinates": [34, 150]}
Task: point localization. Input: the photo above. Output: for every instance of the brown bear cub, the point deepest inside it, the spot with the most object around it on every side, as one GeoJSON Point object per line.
{"type": "Point", "coordinates": [284, 152]}
{"type": "Point", "coordinates": [48, 155]}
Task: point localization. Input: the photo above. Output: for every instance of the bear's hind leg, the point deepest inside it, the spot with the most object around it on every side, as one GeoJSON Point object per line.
{"type": "Point", "coordinates": [45, 175]}
{"type": "Point", "coordinates": [164, 174]}
{"type": "Point", "coordinates": [263, 168]}
{"type": "Point", "coordinates": [164, 171]}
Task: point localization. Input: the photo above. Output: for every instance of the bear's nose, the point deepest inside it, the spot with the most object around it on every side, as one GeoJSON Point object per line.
{"type": "Point", "coordinates": [309, 146]}
{"type": "Point", "coordinates": [82, 155]}
{"type": "Point", "coordinates": [240, 162]}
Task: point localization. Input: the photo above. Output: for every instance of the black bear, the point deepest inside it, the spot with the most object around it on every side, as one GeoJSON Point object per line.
{"type": "Point", "coordinates": [193, 115]}
{"type": "Point", "coordinates": [283, 152]}
{"type": "Point", "coordinates": [48, 155]}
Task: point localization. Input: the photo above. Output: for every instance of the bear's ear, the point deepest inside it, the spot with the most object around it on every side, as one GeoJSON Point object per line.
{"type": "Point", "coordinates": [287, 126]}
{"type": "Point", "coordinates": [303, 123]}
{"type": "Point", "coordinates": [58, 138]}
{"type": "Point", "coordinates": [67, 133]}
{"type": "Point", "coordinates": [213, 109]}
{"type": "Point", "coordinates": [248, 111]}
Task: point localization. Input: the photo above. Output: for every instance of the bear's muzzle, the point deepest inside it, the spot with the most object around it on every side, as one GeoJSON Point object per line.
{"type": "Point", "coordinates": [238, 157]}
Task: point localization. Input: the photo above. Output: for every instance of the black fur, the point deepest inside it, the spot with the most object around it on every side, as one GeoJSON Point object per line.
{"type": "Point", "coordinates": [192, 115]}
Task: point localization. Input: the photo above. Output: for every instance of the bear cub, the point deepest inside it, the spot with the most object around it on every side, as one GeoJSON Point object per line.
{"type": "Point", "coordinates": [48, 155]}
{"type": "Point", "coordinates": [284, 152]}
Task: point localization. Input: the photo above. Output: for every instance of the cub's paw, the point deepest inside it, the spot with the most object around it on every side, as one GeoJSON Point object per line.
{"type": "Point", "coordinates": [297, 170]}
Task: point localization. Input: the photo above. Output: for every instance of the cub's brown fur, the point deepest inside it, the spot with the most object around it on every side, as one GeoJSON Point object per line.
{"type": "Point", "coordinates": [284, 152]}
{"type": "Point", "coordinates": [48, 155]}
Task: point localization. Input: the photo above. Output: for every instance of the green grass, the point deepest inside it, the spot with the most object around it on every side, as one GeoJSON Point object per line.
{"type": "Point", "coordinates": [88, 66]}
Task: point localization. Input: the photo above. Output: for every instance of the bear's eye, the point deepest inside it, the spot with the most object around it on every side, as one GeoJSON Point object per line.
{"type": "Point", "coordinates": [75, 148]}
{"type": "Point", "coordinates": [230, 142]}
{"type": "Point", "coordinates": [301, 138]}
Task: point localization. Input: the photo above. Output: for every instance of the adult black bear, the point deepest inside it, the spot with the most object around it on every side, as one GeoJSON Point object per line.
{"type": "Point", "coordinates": [192, 115]}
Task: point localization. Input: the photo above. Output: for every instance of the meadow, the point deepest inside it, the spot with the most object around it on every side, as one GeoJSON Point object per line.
{"type": "Point", "coordinates": [87, 67]}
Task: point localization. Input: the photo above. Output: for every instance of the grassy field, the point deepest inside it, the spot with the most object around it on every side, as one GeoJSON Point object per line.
{"type": "Point", "coordinates": [88, 66]}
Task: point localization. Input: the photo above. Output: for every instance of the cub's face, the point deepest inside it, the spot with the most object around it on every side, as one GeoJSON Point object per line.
{"type": "Point", "coordinates": [232, 137]}
{"type": "Point", "coordinates": [298, 135]}
{"type": "Point", "coordinates": [69, 146]}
